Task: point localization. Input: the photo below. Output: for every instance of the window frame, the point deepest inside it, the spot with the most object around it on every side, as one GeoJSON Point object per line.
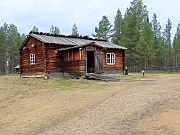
{"type": "Point", "coordinates": [32, 59]}
{"type": "Point", "coordinates": [111, 58]}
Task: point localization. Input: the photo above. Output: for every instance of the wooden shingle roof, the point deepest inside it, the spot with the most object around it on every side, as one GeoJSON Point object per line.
{"type": "Point", "coordinates": [72, 40]}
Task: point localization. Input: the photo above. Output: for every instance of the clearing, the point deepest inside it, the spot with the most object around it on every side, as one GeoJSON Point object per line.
{"type": "Point", "coordinates": [132, 106]}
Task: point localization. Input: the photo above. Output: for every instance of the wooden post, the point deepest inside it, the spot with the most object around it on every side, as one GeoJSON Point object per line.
{"type": "Point", "coordinates": [45, 60]}
{"type": "Point", "coordinates": [80, 55]}
{"type": "Point", "coordinates": [143, 72]}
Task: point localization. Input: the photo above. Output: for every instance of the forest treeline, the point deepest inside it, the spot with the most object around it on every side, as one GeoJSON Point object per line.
{"type": "Point", "coordinates": [10, 41]}
{"type": "Point", "coordinates": [149, 46]}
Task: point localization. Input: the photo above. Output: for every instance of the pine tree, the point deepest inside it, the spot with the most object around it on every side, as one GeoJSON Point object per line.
{"type": "Point", "coordinates": [35, 29]}
{"type": "Point", "coordinates": [116, 37]}
{"type": "Point", "coordinates": [127, 36]}
{"type": "Point", "coordinates": [3, 48]}
{"type": "Point", "coordinates": [10, 41]}
{"type": "Point", "coordinates": [132, 28]}
{"type": "Point", "coordinates": [176, 47]}
{"type": "Point", "coordinates": [167, 41]}
{"type": "Point", "coordinates": [139, 14]}
{"type": "Point", "coordinates": [23, 37]}
{"type": "Point", "coordinates": [75, 30]}
{"type": "Point", "coordinates": [13, 43]}
{"type": "Point", "coordinates": [159, 47]}
{"type": "Point", "coordinates": [54, 30]}
{"type": "Point", "coordinates": [104, 29]}
{"type": "Point", "coordinates": [144, 46]}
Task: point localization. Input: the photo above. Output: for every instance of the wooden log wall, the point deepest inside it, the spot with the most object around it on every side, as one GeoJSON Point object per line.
{"type": "Point", "coordinates": [32, 46]}
{"type": "Point", "coordinates": [48, 58]}
{"type": "Point", "coordinates": [74, 66]}
{"type": "Point", "coordinates": [74, 61]}
{"type": "Point", "coordinates": [119, 60]}
{"type": "Point", "coordinates": [53, 58]}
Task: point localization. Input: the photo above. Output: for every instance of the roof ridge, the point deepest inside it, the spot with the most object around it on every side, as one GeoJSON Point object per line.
{"type": "Point", "coordinates": [69, 36]}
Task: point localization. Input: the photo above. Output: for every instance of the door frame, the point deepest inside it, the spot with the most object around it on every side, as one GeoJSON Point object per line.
{"type": "Point", "coordinates": [89, 49]}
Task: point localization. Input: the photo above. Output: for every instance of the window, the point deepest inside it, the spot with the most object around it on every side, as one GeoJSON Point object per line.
{"type": "Point", "coordinates": [110, 58]}
{"type": "Point", "coordinates": [32, 58]}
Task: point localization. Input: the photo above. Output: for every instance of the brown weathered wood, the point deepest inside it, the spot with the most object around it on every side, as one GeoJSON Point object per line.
{"type": "Point", "coordinates": [99, 64]}
{"type": "Point", "coordinates": [49, 59]}
{"type": "Point", "coordinates": [119, 60]}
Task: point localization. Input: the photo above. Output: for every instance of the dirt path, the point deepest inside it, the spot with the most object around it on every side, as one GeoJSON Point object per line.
{"type": "Point", "coordinates": [136, 109]}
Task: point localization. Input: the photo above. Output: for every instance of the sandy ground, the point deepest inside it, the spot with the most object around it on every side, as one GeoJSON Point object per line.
{"type": "Point", "coordinates": [137, 106]}
{"type": "Point", "coordinates": [150, 106]}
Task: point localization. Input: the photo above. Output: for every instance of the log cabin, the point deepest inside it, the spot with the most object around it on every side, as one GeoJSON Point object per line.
{"type": "Point", "coordinates": [50, 55]}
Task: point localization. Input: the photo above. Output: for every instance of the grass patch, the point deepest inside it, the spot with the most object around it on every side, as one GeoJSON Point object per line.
{"type": "Point", "coordinates": [33, 104]}
{"type": "Point", "coordinates": [162, 72]}
{"type": "Point", "coordinates": [131, 76]}
{"type": "Point", "coordinates": [148, 74]}
{"type": "Point", "coordinates": [65, 84]}
{"type": "Point", "coordinates": [62, 84]}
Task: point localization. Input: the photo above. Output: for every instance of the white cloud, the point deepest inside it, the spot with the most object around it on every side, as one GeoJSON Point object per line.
{"type": "Point", "coordinates": [86, 14]}
{"type": "Point", "coordinates": [165, 9]}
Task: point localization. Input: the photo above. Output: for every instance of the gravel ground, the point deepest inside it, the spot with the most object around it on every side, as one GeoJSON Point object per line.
{"type": "Point", "coordinates": [135, 109]}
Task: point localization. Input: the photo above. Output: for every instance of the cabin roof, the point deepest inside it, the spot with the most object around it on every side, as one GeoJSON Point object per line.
{"type": "Point", "coordinates": [72, 40]}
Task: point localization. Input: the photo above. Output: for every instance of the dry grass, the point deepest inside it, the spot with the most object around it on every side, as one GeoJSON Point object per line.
{"type": "Point", "coordinates": [29, 106]}
{"type": "Point", "coordinates": [165, 122]}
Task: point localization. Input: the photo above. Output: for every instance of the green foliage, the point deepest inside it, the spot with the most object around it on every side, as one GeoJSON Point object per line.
{"type": "Point", "coordinates": [135, 28]}
{"type": "Point", "coordinates": [145, 44]}
{"type": "Point", "coordinates": [3, 50]}
{"type": "Point", "coordinates": [104, 29]}
{"type": "Point", "coordinates": [176, 47]}
{"type": "Point", "coordinates": [75, 30]}
{"type": "Point", "coordinates": [158, 46]}
{"type": "Point", "coordinates": [65, 84]}
{"type": "Point", "coordinates": [117, 31]}
{"type": "Point", "coordinates": [35, 29]}
{"type": "Point", "coordinates": [167, 42]}
{"type": "Point", "coordinates": [10, 41]}
{"type": "Point", "coordinates": [13, 43]}
{"type": "Point", "coordinates": [127, 31]}
{"type": "Point", "coordinates": [54, 30]}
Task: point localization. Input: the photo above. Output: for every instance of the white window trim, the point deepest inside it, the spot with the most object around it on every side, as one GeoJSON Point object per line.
{"type": "Point", "coordinates": [111, 63]}
{"type": "Point", "coordinates": [32, 59]}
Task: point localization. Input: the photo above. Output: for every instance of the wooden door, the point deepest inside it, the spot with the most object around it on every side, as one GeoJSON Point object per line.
{"type": "Point", "coordinates": [99, 64]}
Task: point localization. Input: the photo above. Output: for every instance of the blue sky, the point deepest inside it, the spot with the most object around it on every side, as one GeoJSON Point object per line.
{"type": "Point", "coordinates": [86, 14]}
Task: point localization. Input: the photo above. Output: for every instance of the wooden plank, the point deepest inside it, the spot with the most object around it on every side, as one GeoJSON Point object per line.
{"type": "Point", "coordinates": [99, 64]}
{"type": "Point", "coordinates": [100, 77]}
